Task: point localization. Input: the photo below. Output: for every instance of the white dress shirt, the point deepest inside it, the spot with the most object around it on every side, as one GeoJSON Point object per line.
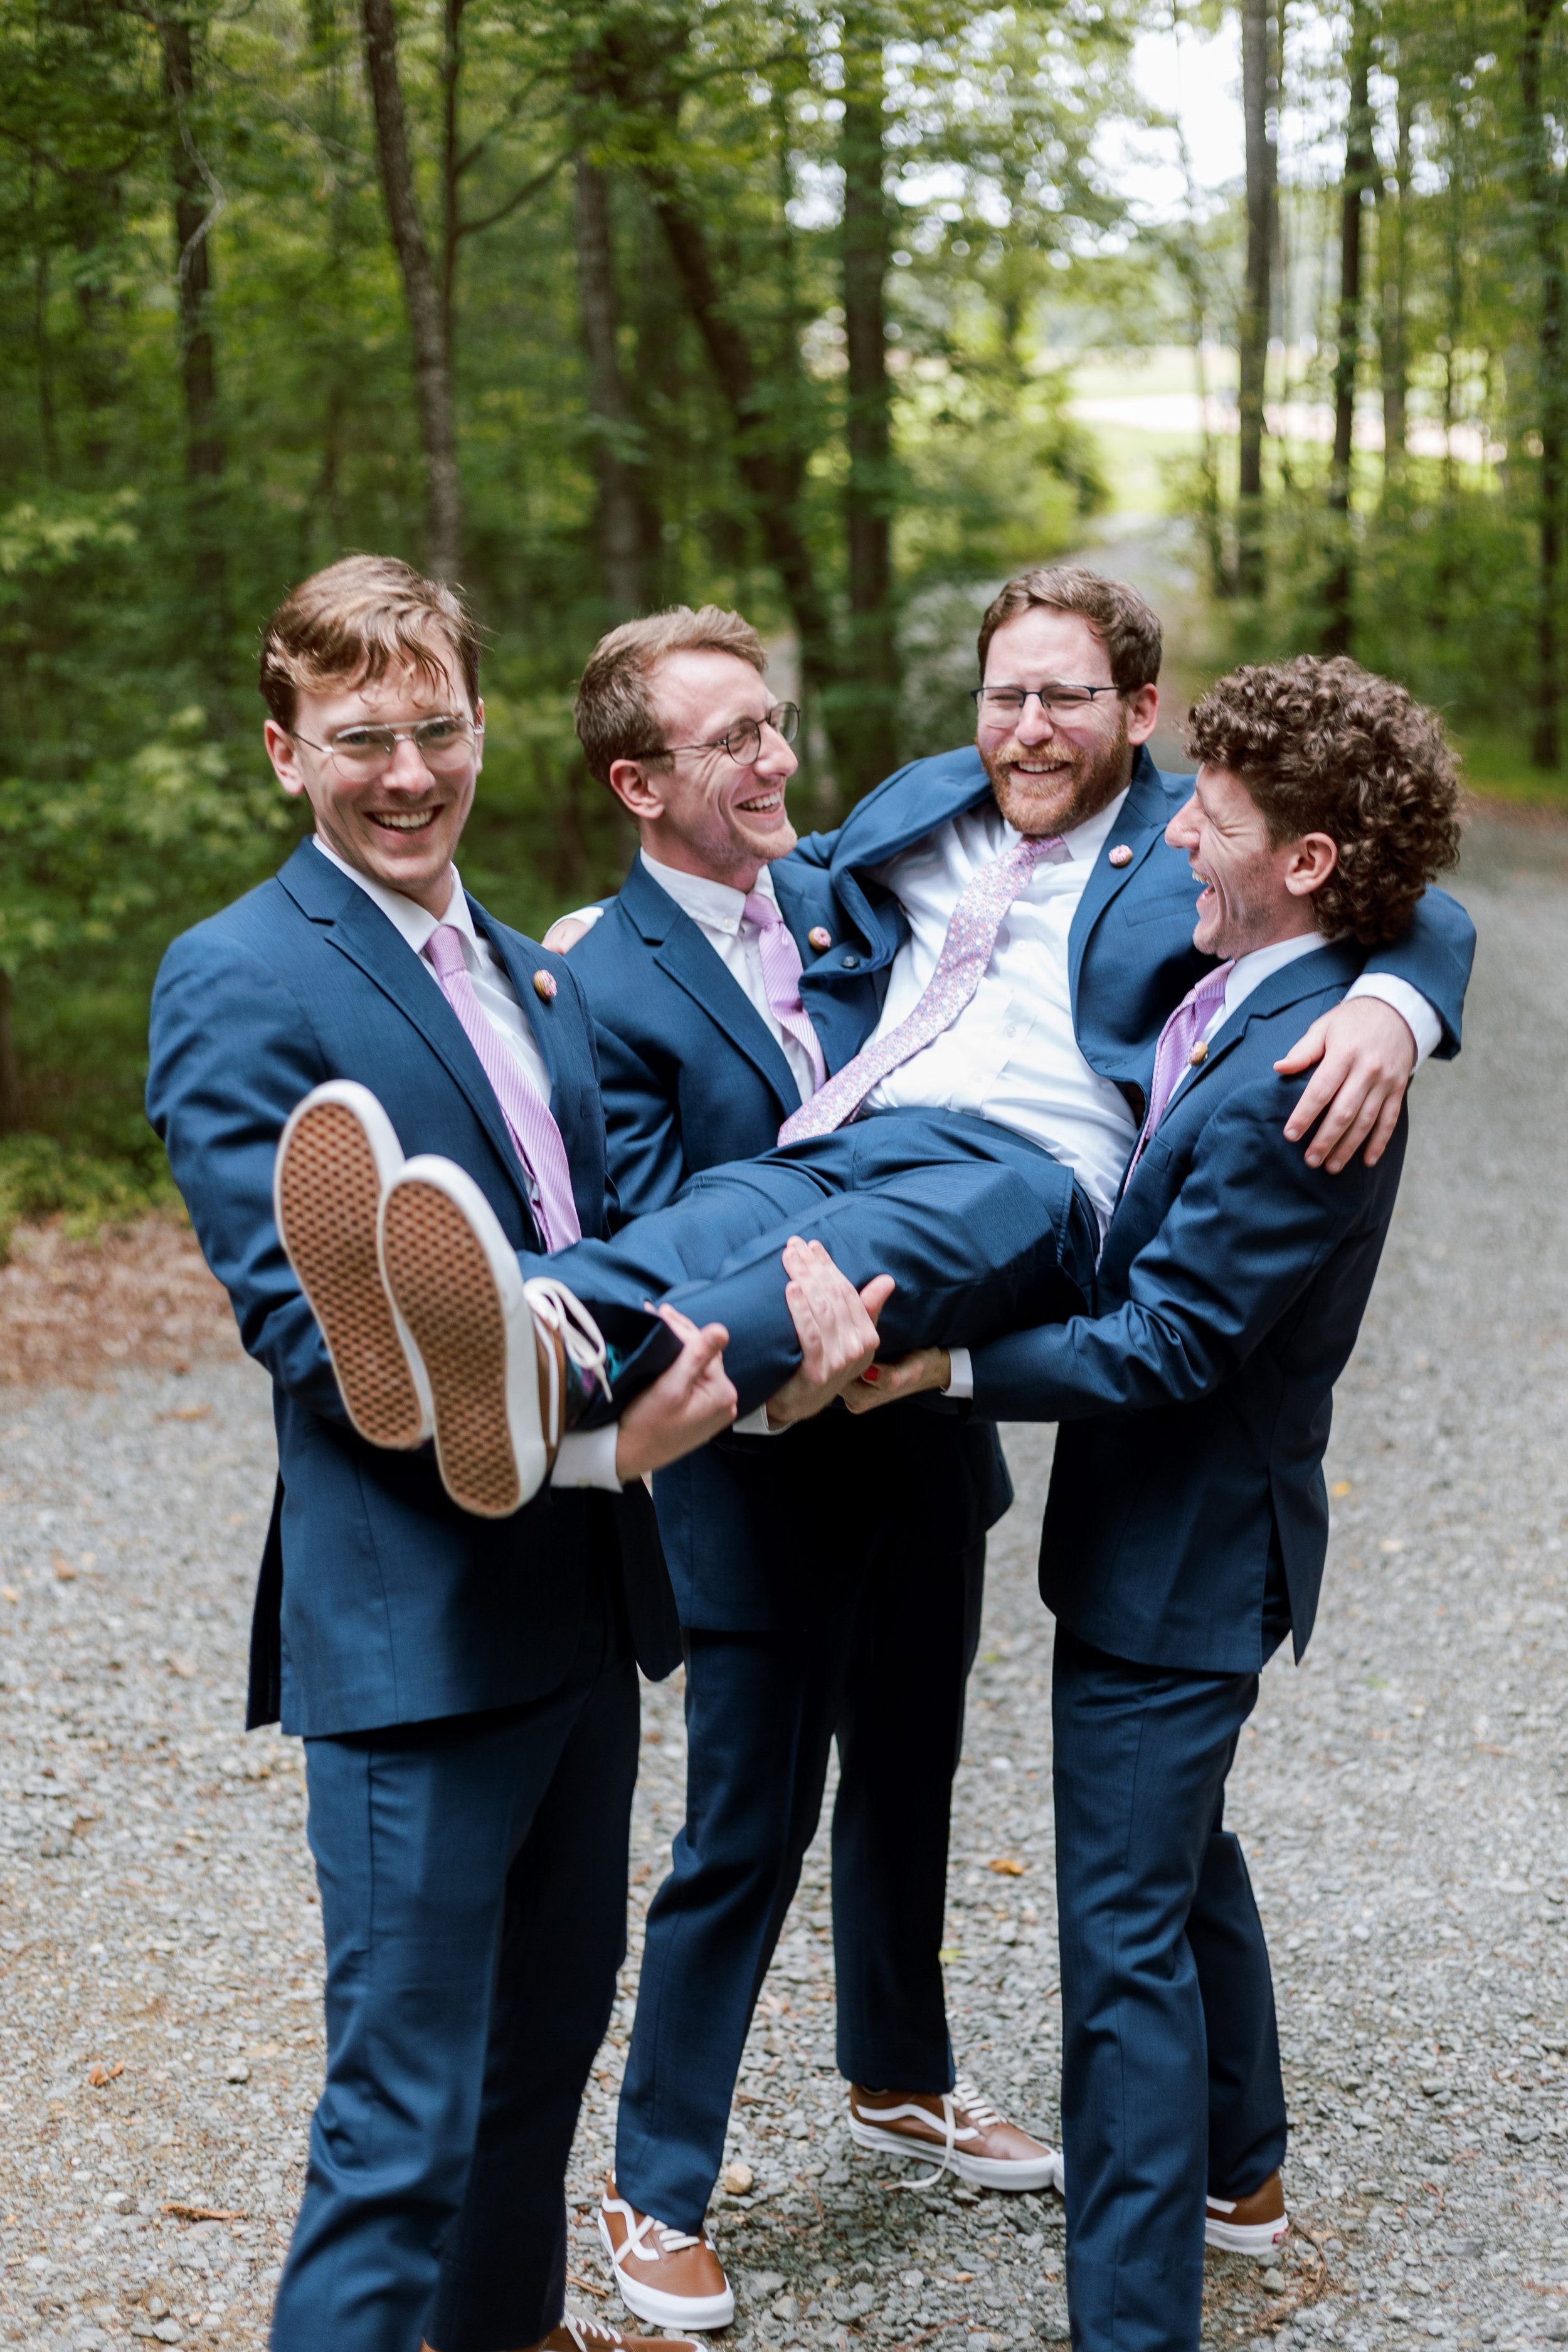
{"type": "Point", "coordinates": [584, 1457]}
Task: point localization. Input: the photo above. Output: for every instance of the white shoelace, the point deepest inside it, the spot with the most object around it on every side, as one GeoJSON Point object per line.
{"type": "Point", "coordinates": [668, 2240]}
{"type": "Point", "coordinates": [963, 2098]}
{"type": "Point", "coordinates": [586, 2333]}
{"type": "Point", "coordinates": [563, 1312]}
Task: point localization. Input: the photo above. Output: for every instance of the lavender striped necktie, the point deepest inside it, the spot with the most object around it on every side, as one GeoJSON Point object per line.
{"type": "Point", "coordinates": [1173, 1053]}
{"type": "Point", "coordinates": [535, 1137]}
{"type": "Point", "coordinates": [972, 930]}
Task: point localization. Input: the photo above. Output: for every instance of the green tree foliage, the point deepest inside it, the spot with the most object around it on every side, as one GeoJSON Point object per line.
{"type": "Point", "coordinates": [596, 306]}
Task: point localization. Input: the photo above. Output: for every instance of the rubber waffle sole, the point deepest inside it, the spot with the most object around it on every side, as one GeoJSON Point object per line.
{"type": "Point", "coordinates": [329, 1192]}
{"type": "Point", "coordinates": [446, 1293]}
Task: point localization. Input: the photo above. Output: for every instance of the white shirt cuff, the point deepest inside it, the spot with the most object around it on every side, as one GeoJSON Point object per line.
{"type": "Point", "coordinates": [756, 1424]}
{"type": "Point", "coordinates": [586, 915]}
{"type": "Point", "coordinates": [587, 1458]}
{"type": "Point", "coordinates": [1409, 1004]}
{"type": "Point", "coordinates": [961, 1373]}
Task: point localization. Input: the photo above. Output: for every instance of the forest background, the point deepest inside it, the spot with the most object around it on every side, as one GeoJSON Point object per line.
{"type": "Point", "coordinates": [836, 312]}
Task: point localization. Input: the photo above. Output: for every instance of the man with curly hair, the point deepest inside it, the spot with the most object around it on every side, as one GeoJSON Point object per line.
{"type": "Point", "coordinates": [1187, 1521]}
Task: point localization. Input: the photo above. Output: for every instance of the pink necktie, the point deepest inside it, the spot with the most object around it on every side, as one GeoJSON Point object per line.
{"type": "Point", "coordinates": [533, 1131]}
{"type": "Point", "coordinates": [959, 968]}
{"type": "Point", "coordinates": [780, 977]}
{"type": "Point", "coordinates": [1174, 1051]}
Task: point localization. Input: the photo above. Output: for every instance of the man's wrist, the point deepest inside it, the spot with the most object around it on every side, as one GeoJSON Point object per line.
{"type": "Point", "coordinates": [587, 1458]}
{"type": "Point", "coordinates": [1414, 1009]}
{"type": "Point", "coordinates": [960, 1374]}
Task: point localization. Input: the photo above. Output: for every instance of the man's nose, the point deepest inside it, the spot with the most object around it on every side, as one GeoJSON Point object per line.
{"type": "Point", "coordinates": [774, 757]}
{"type": "Point", "coordinates": [1034, 724]}
{"type": "Point", "coordinates": [1182, 833]}
{"type": "Point", "coordinates": [406, 769]}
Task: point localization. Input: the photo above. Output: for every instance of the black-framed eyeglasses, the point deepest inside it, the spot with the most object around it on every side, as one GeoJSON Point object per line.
{"type": "Point", "coordinates": [1012, 701]}
{"type": "Point", "coordinates": [360, 755]}
{"type": "Point", "coordinates": [743, 740]}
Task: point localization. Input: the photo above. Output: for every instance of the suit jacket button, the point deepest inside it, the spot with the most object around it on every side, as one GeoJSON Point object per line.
{"type": "Point", "coordinates": [818, 938]}
{"type": "Point", "coordinates": [1122, 855]}
{"type": "Point", "coordinates": [850, 962]}
{"type": "Point", "coordinates": [544, 986]}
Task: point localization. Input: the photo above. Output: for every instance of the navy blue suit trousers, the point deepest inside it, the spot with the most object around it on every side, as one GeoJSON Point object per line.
{"type": "Point", "coordinates": [473, 1877]}
{"type": "Point", "coordinates": [1171, 2081]}
{"type": "Point", "coordinates": [982, 1230]}
{"type": "Point", "coordinates": [880, 1665]}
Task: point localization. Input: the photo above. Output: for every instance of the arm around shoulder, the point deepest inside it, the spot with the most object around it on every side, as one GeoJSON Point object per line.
{"type": "Point", "coordinates": [1433, 955]}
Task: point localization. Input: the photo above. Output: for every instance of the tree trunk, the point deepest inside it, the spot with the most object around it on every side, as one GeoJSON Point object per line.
{"type": "Point", "coordinates": [10, 1082]}
{"type": "Point", "coordinates": [197, 203]}
{"type": "Point", "coordinates": [421, 296]}
{"type": "Point", "coordinates": [1393, 255]}
{"type": "Point", "coordinates": [1253, 342]}
{"type": "Point", "coordinates": [621, 538]}
{"type": "Point", "coordinates": [1540, 183]}
{"type": "Point", "coordinates": [1339, 622]}
{"type": "Point", "coordinates": [870, 719]}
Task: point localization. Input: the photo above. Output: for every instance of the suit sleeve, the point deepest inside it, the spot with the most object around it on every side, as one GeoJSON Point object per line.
{"type": "Point", "coordinates": [231, 1053]}
{"type": "Point", "coordinates": [1242, 1237]}
{"type": "Point", "coordinates": [646, 1156]}
{"type": "Point", "coordinates": [1434, 953]}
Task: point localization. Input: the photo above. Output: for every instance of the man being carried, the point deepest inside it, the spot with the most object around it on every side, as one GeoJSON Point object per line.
{"type": "Point", "coordinates": [1187, 1521]}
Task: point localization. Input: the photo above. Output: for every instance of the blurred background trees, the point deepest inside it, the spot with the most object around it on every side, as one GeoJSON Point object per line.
{"type": "Point", "coordinates": [833, 311]}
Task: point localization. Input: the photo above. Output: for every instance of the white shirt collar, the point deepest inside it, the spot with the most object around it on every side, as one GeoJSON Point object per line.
{"type": "Point", "coordinates": [1249, 971]}
{"type": "Point", "coordinates": [412, 920]}
{"type": "Point", "coordinates": [717, 906]}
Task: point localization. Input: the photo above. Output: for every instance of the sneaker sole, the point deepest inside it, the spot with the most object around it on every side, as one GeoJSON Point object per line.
{"type": "Point", "coordinates": [1254, 2238]}
{"type": "Point", "coordinates": [448, 1274]}
{"type": "Point", "coordinates": [980, 2171]}
{"type": "Point", "coordinates": [668, 2310]}
{"type": "Point", "coordinates": [336, 1156]}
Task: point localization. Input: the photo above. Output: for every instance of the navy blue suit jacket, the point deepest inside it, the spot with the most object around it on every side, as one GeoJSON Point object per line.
{"type": "Point", "coordinates": [1199, 1395]}
{"type": "Point", "coordinates": [1130, 952]}
{"type": "Point", "coordinates": [395, 1606]}
{"type": "Point", "coordinates": [756, 1528]}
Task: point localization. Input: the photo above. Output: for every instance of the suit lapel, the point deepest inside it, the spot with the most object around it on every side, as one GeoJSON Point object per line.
{"type": "Point", "coordinates": [695, 966]}
{"type": "Point", "coordinates": [900, 816]}
{"type": "Point", "coordinates": [1335, 963]}
{"type": "Point", "coordinates": [1140, 825]}
{"type": "Point", "coordinates": [356, 926]}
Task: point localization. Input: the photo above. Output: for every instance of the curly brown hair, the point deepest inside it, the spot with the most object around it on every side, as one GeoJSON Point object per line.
{"type": "Point", "coordinates": [1324, 746]}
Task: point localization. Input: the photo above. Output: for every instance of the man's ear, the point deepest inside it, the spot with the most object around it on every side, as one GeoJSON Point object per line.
{"type": "Point", "coordinates": [283, 752]}
{"type": "Point", "coordinates": [1312, 861]}
{"type": "Point", "coordinates": [1142, 710]}
{"type": "Point", "coordinates": [632, 785]}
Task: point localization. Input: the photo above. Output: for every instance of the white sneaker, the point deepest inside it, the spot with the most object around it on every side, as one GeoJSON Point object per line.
{"type": "Point", "coordinates": [960, 2130]}
{"type": "Point", "coordinates": [504, 1358]}
{"type": "Point", "coordinates": [336, 1157]}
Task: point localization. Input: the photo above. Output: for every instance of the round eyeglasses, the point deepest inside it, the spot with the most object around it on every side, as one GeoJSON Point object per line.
{"type": "Point", "coordinates": [360, 755]}
{"type": "Point", "coordinates": [743, 740]}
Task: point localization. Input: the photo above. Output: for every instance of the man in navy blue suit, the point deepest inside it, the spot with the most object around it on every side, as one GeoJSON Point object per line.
{"type": "Point", "coordinates": [699, 1056]}
{"type": "Point", "coordinates": [827, 1587]}
{"type": "Point", "coordinates": [466, 1684]}
{"type": "Point", "coordinates": [1187, 1520]}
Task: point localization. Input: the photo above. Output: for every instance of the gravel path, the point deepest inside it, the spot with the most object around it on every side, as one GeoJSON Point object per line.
{"type": "Point", "coordinates": [1402, 1800]}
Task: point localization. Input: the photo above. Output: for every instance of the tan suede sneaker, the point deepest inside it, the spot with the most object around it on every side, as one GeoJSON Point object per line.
{"type": "Point", "coordinates": [665, 2275]}
{"type": "Point", "coordinates": [1248, 2225]}
{"type": "Point", "coordinates": [959, 2130]}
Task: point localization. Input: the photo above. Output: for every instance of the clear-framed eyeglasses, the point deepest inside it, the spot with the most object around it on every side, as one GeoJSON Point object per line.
{"type": "Point", "coordinates": [447, 744]}
{"type": "Point", "coordinates": [743, 740]}
{"type": "Point", "coordinates": [1058, 698]}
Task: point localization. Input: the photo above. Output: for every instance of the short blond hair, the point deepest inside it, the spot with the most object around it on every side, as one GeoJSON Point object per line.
{"type": "Point", "coordinates": [613, 714]}
{"type": "Point", "coordinates": [358, 619]}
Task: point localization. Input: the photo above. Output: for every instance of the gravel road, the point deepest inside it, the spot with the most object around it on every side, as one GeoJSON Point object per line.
{"type": "Point", "coordinates": [1402, 1798]}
